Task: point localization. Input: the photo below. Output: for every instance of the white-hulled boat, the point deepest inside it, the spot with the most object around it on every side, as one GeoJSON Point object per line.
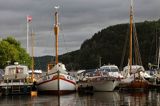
{"type": "Point", "coordinates": [102, 83]}
{"type": "Point", "coordinates": [57, 80]}
{"type": "Point", "coordinates": [106, 78]}
{"type": "Point", "coordinates": [16, 79]}
{"type": "Point", "coordinates": [109, 78]}
{"type": "Point", "coordinates": [16, 72]}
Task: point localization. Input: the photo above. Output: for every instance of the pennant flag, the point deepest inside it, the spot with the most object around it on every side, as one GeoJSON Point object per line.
{"type": "Point", "coordinates": [29, 18]}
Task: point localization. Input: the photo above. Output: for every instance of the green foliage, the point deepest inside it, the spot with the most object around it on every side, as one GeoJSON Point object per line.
{"type": "Point", "coordinates": [109, 43]}
{"type": "Point", "coordinates": [42, 62]}
{"type": "Point", "coordinates": [11, 51]}
{"type": "Point", "coordinates": [12, 41]}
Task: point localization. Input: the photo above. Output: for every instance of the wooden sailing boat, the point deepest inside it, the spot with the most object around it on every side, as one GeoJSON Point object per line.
{"type": "Point", "coordinates": [135, 73]}
{"type": "Point", "coordinates": [57, 80]}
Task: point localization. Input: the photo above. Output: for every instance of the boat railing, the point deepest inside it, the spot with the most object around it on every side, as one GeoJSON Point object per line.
{"type": "Point", "coordinates": [15, 76]}
{"type": "Point", "coordinates": [15, 82]}
{"type": "Point", "coordinates": [46, 76]}
{"type": "Point", "coordinates": [101, 78]}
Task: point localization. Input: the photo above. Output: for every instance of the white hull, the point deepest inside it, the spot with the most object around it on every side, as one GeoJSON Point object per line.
{"type": "Point", "coordinates": [107, 85]}
{"type": "Point", "coordinates": [66, 83]}
{"type": "Point", "coordinates": [103, 83]}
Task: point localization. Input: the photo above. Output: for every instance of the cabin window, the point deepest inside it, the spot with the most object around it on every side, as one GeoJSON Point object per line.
{"type": "Point", "coordinates": [11, 71]}
{"type": "Point", "coordinates": [114, 69]}
{"type": "Point", "coordinates": [44, 78]}
{"type": "Point", "coordinates": [71, 78]}
{"type": "Point", "coordinates": [48, 77]}
{"type": "Point", "coordinates": [20, 70]}
{"type": "Point", "coordinates": [106, 69]}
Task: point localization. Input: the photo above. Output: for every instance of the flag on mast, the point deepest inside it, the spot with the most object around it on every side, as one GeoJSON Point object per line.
{"type": "Point", "coordinates": [29, 18]}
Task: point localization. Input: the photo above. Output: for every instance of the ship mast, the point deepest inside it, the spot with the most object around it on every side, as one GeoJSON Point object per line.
{"type": "Point", "coordinates": [32, 76]}
{"type": "Point", "coordinates": [56, 31]}
{"type": "Point", "coordinates": [158, 53]}
{"type": "Point", "coordinates": [131, 32]}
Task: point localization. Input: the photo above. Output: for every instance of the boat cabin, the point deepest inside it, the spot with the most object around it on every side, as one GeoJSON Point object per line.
{"type": "Point", "coordinates": [36, 73]}
{"type": "Point", "coordinates": [16, 72]}
{"type": "Point", "coordinates": [109, 68]}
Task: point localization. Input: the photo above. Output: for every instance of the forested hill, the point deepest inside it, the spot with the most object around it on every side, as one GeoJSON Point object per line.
{"type": "Point", "coordinates": [107, 45]}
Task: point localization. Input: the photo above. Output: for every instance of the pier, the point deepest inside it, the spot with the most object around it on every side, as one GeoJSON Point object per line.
{"type": "Point", "coordinates": [12, 87]}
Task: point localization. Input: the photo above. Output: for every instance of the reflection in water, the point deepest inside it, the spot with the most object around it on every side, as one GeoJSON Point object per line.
{"type": "Point", "coordinates": [107, 98]}
{"type": "Point", "coordinates": [150, 98]}
{"type": "Point", "coordinates": [134, 99]}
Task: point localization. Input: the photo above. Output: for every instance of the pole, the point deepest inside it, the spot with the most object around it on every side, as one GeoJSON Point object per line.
{"type": "Point", "coordinates": [32, 36]}
{"type": "Point", "coordinates": [100, 63]}
{"type": "Point", "coordinates": [27, 35]}
{"type": "Point", "coordinates": [130, 44]}
{"type": "Point", "coordinates": [158, 52]}
{"type": "Point", "coordinates": [56, 31]}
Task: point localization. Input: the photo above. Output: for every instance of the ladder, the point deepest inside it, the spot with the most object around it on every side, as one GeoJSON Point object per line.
{"type": "Point", "coordinates": [16, 89]}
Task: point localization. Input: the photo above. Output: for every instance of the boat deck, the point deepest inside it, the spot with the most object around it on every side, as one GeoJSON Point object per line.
{"type": "Point", "coordinates": [15, 84]}
{"type": "Point", "coordinates": [15, 88]}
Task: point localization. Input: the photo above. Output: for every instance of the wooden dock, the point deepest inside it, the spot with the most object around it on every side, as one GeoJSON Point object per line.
{"type": "Point", "coordinates": [8, 88]}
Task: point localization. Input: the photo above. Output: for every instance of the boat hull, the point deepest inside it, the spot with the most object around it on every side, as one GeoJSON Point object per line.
{"type": "Point", "coordinates": [107, 85]}
{"type": "Point", "coordinates": [135, 85]}
{"type": "Point", "coordinates": [57, 85]}
{"type": "Point", "coordinates": [138, 84]}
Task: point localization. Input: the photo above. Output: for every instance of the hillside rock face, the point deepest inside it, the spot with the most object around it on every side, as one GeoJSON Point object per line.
{"type": "Point", "coordinates": [108, 45]}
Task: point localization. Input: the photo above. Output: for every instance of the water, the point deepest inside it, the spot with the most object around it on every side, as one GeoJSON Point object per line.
{"type": "Point", "coordinates": [116, 98]}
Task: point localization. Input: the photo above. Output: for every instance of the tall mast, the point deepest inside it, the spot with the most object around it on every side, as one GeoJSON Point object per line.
{"type": "Point", "coordinates": [29, 20]}
{"type": "Point", "coordinates": [158, 53]}
{"type": "Point", "coordinates": [100, 62]}
{"type": "Point", "coordinates": [56, 31]}
{"type": "Point", "coordinates": [27, 36]}
{"type": "Point", "coordinates": [32, 37]}
{"type": "Point", "coordinates": [131, 32]}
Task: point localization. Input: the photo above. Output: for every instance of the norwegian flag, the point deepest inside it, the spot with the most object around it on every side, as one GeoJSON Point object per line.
{"type": "Point", "coordinates": [29, 18]}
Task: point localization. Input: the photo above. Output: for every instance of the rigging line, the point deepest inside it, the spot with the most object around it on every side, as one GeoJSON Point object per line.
{"type": "Point", "coordinates": [136, 44]}
{"type": "Point", "coordinates": [154, 47]}
{"type": "Point", "coordinates": [51, 60]}
{"type": "Point", "coordinates": [63, 36]}
{"type": "Point", "coordinates": [151, 49]}
{"type": "Point", "coordinates": [137, 51]}
{"type": "Point", "coordinates": [53, 50]}
{"type": "Point", "coordinates": [124, 49]}
{"type": "Point", "coordinates": [51, 34]}
{"type": "Point", "coordinates": [157, 46]}
{"type": "Point", "coordinates": [36, 63]}
{"type": "Point", "coordinates": [66, 46]}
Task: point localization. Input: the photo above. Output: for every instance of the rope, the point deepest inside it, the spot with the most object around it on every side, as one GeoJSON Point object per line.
{"type": "Point", "coordinates": [124, 50]}
{"type": "Point", "coordinates": [66, 46]}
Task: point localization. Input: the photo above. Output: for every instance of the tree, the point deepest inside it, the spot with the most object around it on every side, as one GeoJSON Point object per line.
{"type": "Point", "coordinates": [11, 51]}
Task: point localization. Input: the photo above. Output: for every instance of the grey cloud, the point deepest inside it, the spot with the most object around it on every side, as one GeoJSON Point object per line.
{"type": "Point", "coordinates": [79, 19]}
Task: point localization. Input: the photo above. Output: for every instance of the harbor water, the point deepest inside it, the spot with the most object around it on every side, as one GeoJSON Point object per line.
{"type": "Point", "coordinates": [116, 98]}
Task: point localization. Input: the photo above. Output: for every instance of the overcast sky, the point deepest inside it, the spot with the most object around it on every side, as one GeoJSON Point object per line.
{"type": "Point", "coordinates": [79, 20]}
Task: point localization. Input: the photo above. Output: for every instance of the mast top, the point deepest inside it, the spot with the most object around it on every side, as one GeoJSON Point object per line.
{"type": "Point", "coordinates": [56, 31]}
{"type": "Point", "coordinates": [56, 8]}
